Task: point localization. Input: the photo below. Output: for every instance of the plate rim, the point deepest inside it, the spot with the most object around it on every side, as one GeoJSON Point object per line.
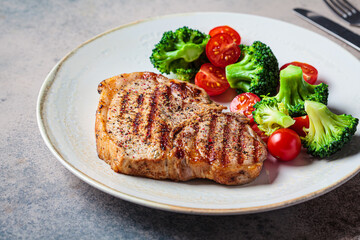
{"type": "Point", "coordinates": [51, 77]}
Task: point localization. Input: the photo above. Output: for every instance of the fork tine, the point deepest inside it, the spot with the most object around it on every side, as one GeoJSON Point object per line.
{"type": "Point", "coordinates": [340, 7]}
{"type": "Point", "coordinates": [344, 7]}
{"type": "Point", "coordinates": [351, 7]}
{"type": "Point", "coordinates": [345, 10]}
{"type": "Point", "coordinates": [335, 8]}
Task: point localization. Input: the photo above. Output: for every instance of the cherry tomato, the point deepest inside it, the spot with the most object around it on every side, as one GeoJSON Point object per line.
{"type": "Point", "coordinates": [243, 103]}
{"type": "Point", "coordinates": [300, 123]}
{"type": "Point", "coordinates": [212, 79]}
{"type": "Point", "coordinates": [261, 134]}
{"type": "Point", "coordinates": [310, 73]}
{"type": "Point", "coordinates": [284, 144]}
{"type": "Point", "coordinates": [221, 50]}
{"type": "Point", "coordinates": [228, 30]}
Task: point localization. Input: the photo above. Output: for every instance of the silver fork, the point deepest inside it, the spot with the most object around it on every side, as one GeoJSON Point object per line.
{"type": "Point", "coordinates": [345, 10]}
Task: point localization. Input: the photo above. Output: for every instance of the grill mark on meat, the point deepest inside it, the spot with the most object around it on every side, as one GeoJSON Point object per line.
{"type": "Point", "coordinates": [153, 109]}
{"type": "Point", "coordinates": [193, 92]}
{"type": "Point", "coordinates": [161, 133]}
{"type": "Point", "coordinates": [224, 159]}
{"type": "Point", "coordinates": [184, 90]}
{"type": "Point", "coordinates": [137, 119]}
{"type": "Point", "coordinates": [179, 152]}
{"type": "Point", "coordinates": [180, 88]}
{"type": "Point", "coordinates": [167, 96]}
{"type": "Point", "coordinates": [251, 148]}
{"type": "Point", "coordinates": [140, 100]}
{"type": "Point", "coordinates": [210, 145]}
{"type": "Point", "coordinates": [197, 92]}
{"type": "Point", "coordinates": [164, 139]}
{"type": "Point", "coordinates": [124, 104]}
{"type": "Point", "coordinates": [195, 155]}
{"type": "Point", "coordinates": [240, 148]}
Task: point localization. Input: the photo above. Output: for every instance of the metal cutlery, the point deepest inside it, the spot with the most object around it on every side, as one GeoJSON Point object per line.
{"type": "Point", "coordinates": [345, 10]}
{"type": "Point", "coordinates": [329, 26]}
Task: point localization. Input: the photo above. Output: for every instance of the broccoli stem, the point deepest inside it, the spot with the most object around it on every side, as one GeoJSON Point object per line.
{"type": "Point", "coordinates": [240, 75]}
{"type": "Point", "coordinates": [278, 119]}
{"type": "Point", "coordinates": [284, 120]}
{"type": "Point", "coordinates": [270, 116]}
{"type": "Point", "coordinates": [327, 132]}
{"type": "Point", "coordinates": [290, 83]}
{"type": "Point", "coordinates": [189, 52]}
{"type": "Point", "coordinates": [316, 116]}
{"type": "Point", "coordinates": [322, 121]}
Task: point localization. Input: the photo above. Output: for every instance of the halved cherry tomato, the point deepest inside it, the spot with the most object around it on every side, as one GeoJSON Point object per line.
{"type": "Point", "coordinates": [284, 144]}
{"type": "Point", "coordinates": [261, 134]}
{"type": "Point", "coordinates": [300, 123]}
{"type": "Point", "coordinates": [228, 30]}
{"type": "Point", "coordinates": [243, 103]}
{"type": "Point", "coordinates": [212, 79]}
{"type": "Point", "coordinates": [221, 50]}
{"type": "Point", "coordinates": [310, 73]}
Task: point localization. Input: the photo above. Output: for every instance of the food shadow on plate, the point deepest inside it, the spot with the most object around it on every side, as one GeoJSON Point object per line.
{"type": "Point", "coordinates": [336, 111]}
{"type": "Point", "coordinates": [226, 97]}
{"type": "Point", "coordinates": [321, 80]}
{"type": "Point", "coordinates": [271, 168]}
{"type": "Point", "coordinates": [349, 149]}
{"type": "Point", "coordinates": [269, 173]}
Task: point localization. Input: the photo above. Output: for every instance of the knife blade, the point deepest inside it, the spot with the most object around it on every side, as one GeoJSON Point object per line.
{"type": "Point", "coordinates": [331, 27]}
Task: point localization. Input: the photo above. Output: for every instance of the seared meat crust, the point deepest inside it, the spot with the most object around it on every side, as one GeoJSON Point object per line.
{"type": "Point", "coordinates": [148, 125]}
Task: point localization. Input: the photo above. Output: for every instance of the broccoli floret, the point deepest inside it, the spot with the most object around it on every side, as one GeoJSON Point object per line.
{"type": "Point", "coordinates": [180, 52]}
{"type": "Point", "coordinates": [294, 90]}
{"type": "Point", "coordinates": [327, 132]}
{"type": "Point", "coordinates": [257, 70]}
{"type": "Point", "coordinates": [271, 115]}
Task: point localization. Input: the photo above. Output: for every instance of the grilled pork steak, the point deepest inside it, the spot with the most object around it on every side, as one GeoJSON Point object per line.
{"type": "Point", "coordinates": [148, 125]}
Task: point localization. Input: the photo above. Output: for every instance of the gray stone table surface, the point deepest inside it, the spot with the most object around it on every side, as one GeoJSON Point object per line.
{"type": "Point", "coordinates": [40, 199]}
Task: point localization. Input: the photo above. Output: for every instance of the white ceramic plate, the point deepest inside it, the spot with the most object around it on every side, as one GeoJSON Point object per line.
{"type": "Point", "coordinates": [68, 99]}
